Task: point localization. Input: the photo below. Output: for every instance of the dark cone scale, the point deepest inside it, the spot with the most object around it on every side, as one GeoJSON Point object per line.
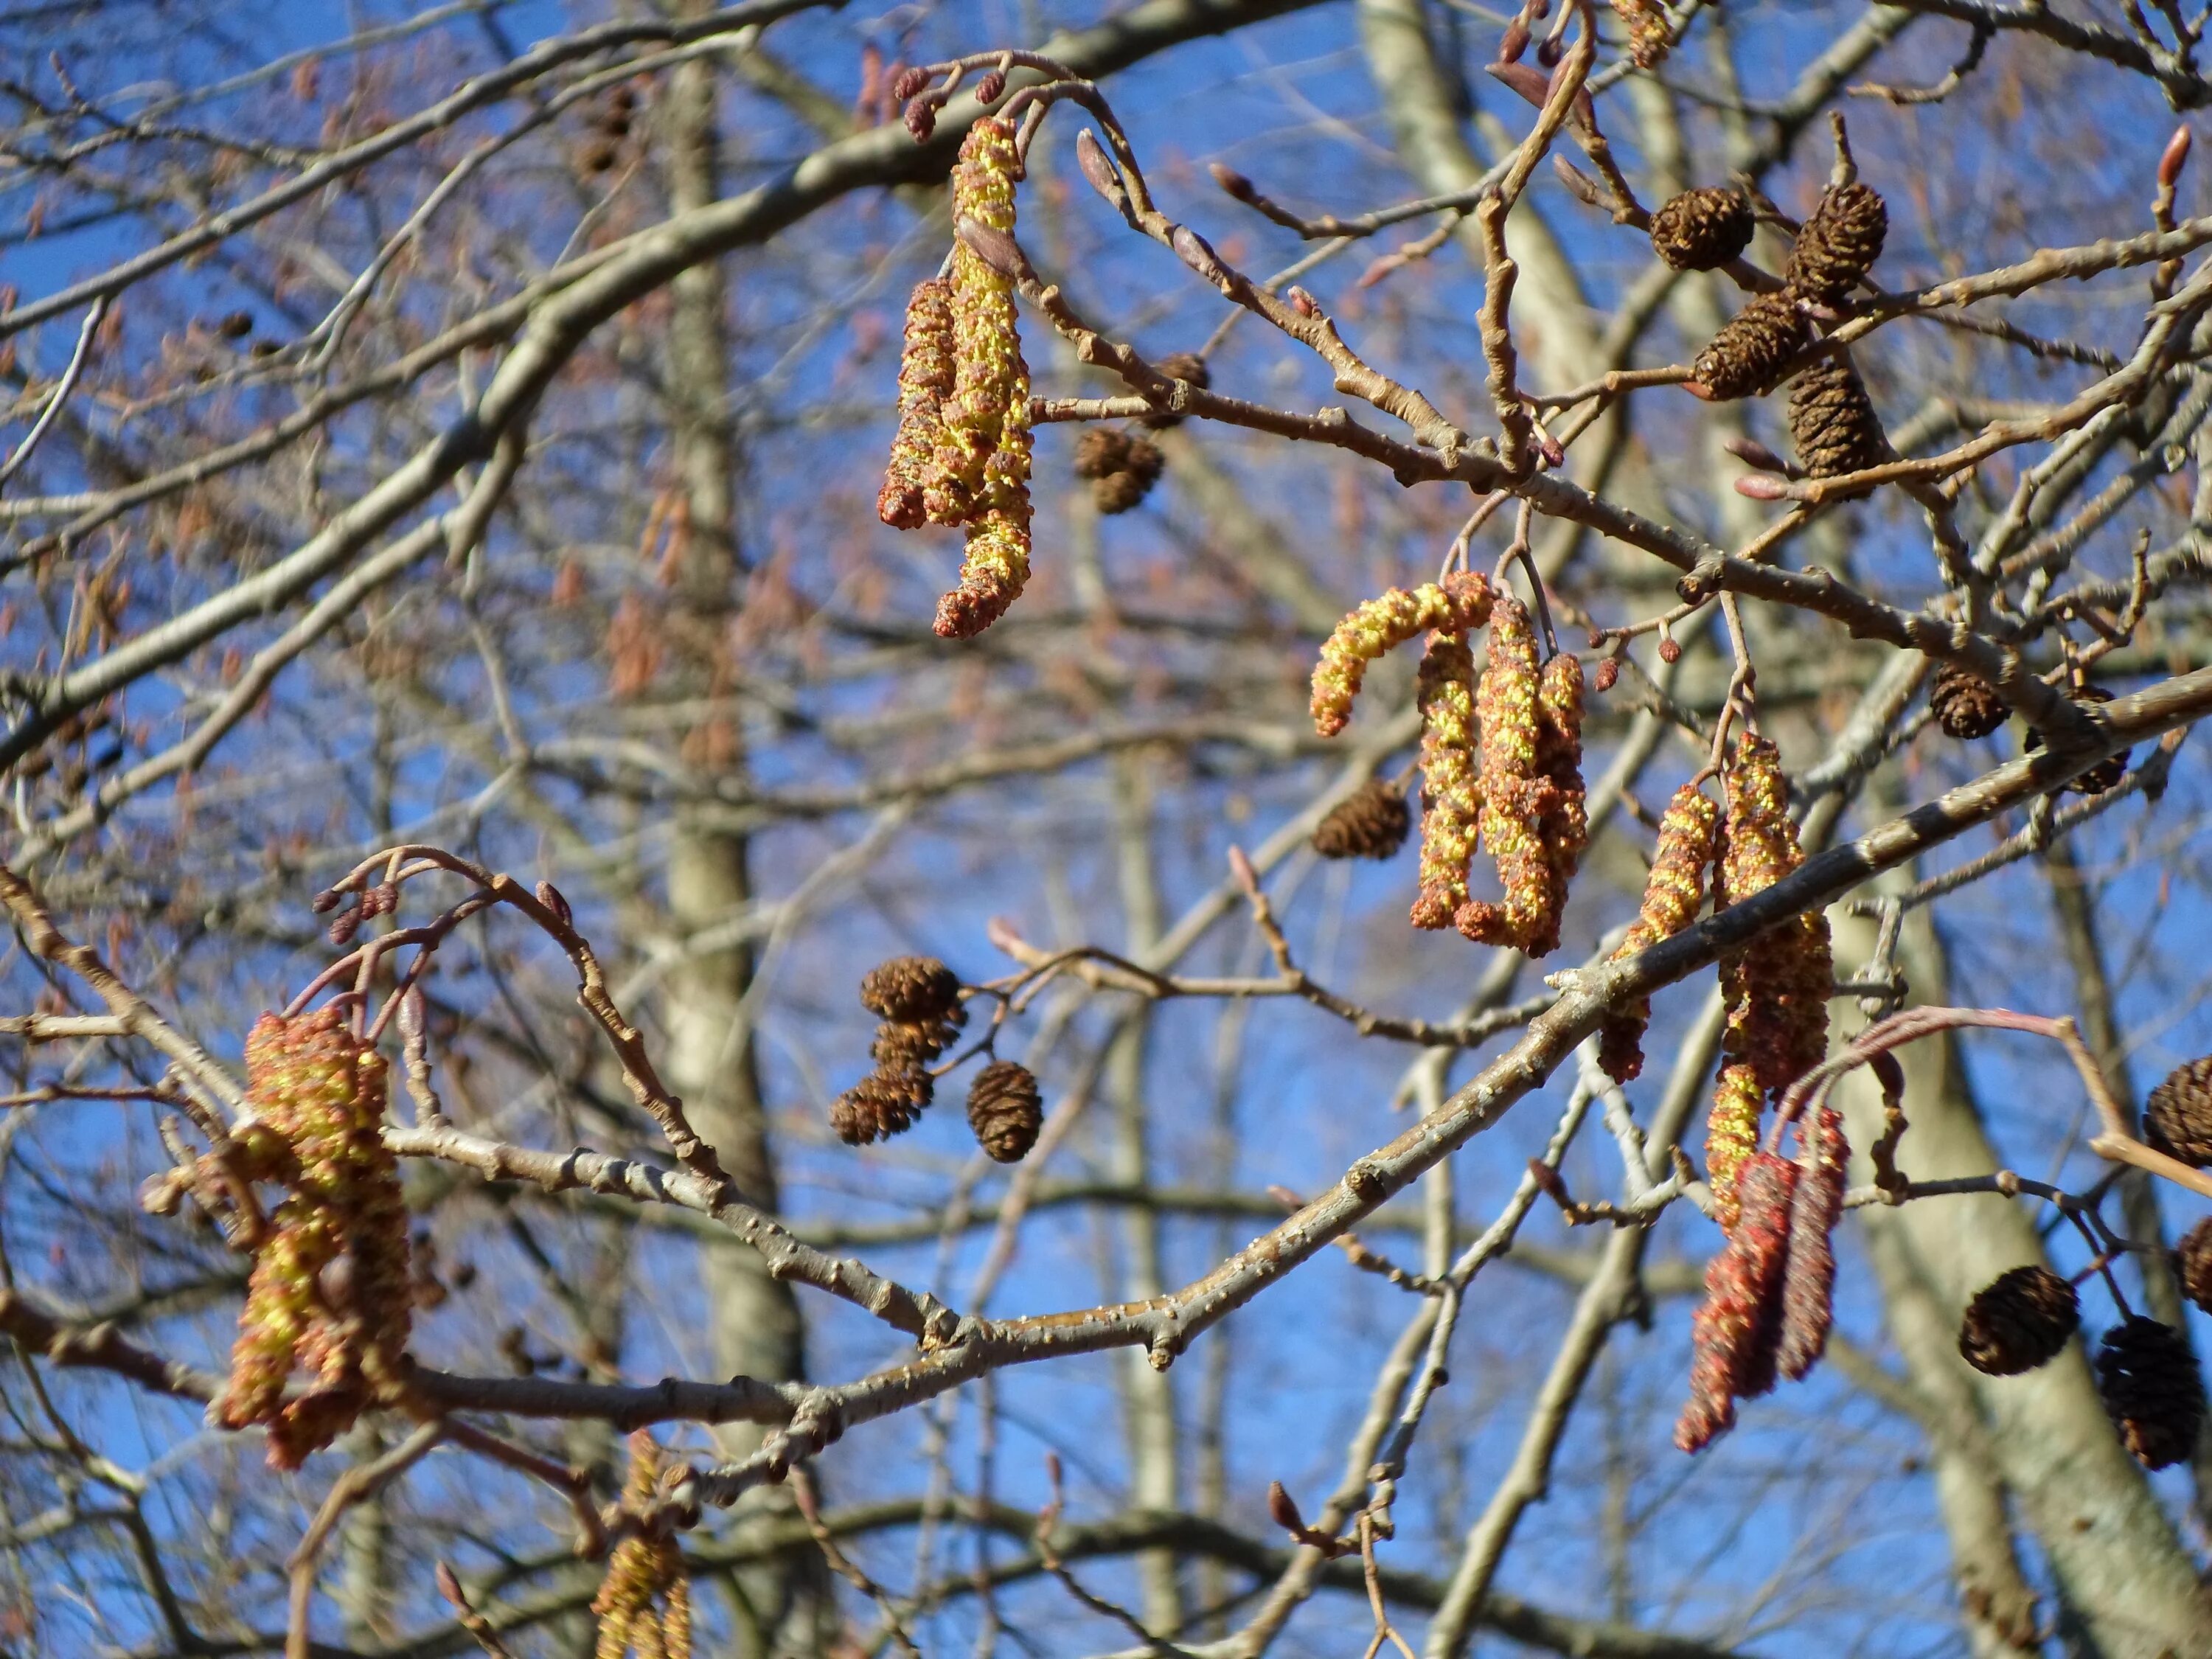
{"type": "Point", "coordinates": [2151, 1386]}
{"type": "Point", "coordinates": [1702, 229]}
{"type": "Point", "coordinates": [1745, 358]}
{"type": "Point", "coordinates": [1832, 425]}
{"type": "Point", "coordinates": [1122, 489]}
{"type": "Point", "coordinates": [1179, 366]}
{"type": "Point", "coordinates": [2021, 1320]}
{"type": "Point", "coordinates": [2192, 1260]}
{"type": "Point", "coordinates": [1838, 244]}
{"type": "Point", "coordinates": [1369, 823]}
{"type": "Point", "coordinates": [2106, 771]}
{"type": "Point", "coordinates": [1965, 704]}
{"type": "Point", "coordinates": [1101, 451]}
{"type": "Point", "coordinates": [919, 988]}
{"type": "Point", "coordinates": [2178, 1118]}
{"type": "Point", "coordinates": [1004, 1111]}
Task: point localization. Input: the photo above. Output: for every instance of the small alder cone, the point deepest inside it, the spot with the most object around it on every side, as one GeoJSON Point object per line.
{"type": "Point", "coordinates": [1459, 604]}
{"type": "Point", "coordinates": [1832, 426]}
{"type": "Point", "coordinates": [2152, 1388]}
{"type": "Point", "coordinates": [1702, 229]}
{"type": "Point", "coordinates": [1004, 1111]}
{"type": "Point", "coordinates": [1965, 705]}
{"type": "Point", "coordinates": [2107, 772]}
{"type": "Point", "coordinates": [1838, 244]}
{"type": "Point", "coordinates": [878, 1107]}
{"type": "Point", "coordinates": [1370, 823]}
{"type": "Point", "coordinates": [1178, 365]}
{"type": "Point", "coordinates": [1128, 484]}
{"type": "Point", "coordinates": [1450, 800]}
{"type": "Point", "coordinates": [2178, 1117]}
{"type": "Point", "coordinates": [1734, 1331]}
{"type": "Point", "coordinates": [1672, 894]}
{"type": "Point", "coordinates": [2192, 1260]}
{"type": "Point", "coordinates": [2022, 1319]}
{"type": "Point", "coordinates": [926, 376]}
{"type": "Point", "coordinates": [1748, 356]}
{"type": "Point", "coordinates": [910, 987]}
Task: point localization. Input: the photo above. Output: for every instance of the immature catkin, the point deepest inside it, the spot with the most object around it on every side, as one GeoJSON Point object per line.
{"type": "Point", "coordinates": [1734, 1331]}
{"type": "Point", "coordinates": [926, 379]}
{"type": "Point", "coordinates": [1460, 603]}
{"type": "Point", "coordinates": [330, 1291]}
{"type": "Point", "coordinates": [1450, 802]}
{"type": "Point", "coordinates": [1515, 796]}
{"type": "Point", "coordinates": [1672, 894]}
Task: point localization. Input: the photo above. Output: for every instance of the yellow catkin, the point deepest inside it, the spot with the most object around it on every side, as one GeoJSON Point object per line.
{"type": "Point", "coordinates": [1515, 797]}
{"type": "Point", "coordinates": [645, 1566]}
{"type": "Point", "coordinates": [1731, 1136]}
{"type": "Point", "coordinates": [1369, 630]}
{"type": "Point", "coordinates": [1672, 894]}
{"type": "Point", "coordinates": [1564, 825]}
{"type": "Point", "coordinates": [1449, 805]}
{"type": "Point", "coordinates": [1778, 985]}
{"type": "Point", "coordinates": [926, 379]}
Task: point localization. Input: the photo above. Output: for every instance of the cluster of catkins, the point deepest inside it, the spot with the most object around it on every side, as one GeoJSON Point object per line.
{"type": "Point", "coordinates": [2024, 1318]}
{"type": "Point", "coordinates": [1770, 1294]}
{"type": "Point", "coordinates": [329, 1291]}
{"type": "Point", "coordinates": [1501, 757]}
{"type": "Point", "coordinates": [962, 453]}
{"type": "Point", "coordinates": [646, 1568]}
{"type": "Point", "coordinates": [1833, 424]}
{"type": "Point", "coordinates": [918, 1000]}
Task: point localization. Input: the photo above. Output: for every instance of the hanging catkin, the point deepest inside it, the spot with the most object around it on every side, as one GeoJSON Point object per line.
{"type": "Point", "coordinates": [1672, 894]}
{"type": "Point", "coordinates": [1449, 801]}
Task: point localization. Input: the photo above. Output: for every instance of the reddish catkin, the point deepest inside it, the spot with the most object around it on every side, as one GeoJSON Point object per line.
{"type": "Point", "coordinates": [1808, 1273]}
{"type": "Point", "coordinates": [1734, 1331]}
{"type": "Point", "coordinates": [1515, 797]}
{"type": "Point", "coordinates": [1449, 803]}
{"type": "Point", "coordinates": [1368, 631]}
{"type": "Point", "coordinates": [926, 378]}
{"type": "Point", "coordinates": [1672, 894]}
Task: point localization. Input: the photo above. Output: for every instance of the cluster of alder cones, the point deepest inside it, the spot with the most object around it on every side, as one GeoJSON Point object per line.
{"type": "Point", "coordinates": [917, 999]}
{"type": "Point", "coordinates": [1832, 425]}
{"type": "Point", "coordinates": [1501, 759]}
{"type": "Point", "coordinates": [1967, 706]}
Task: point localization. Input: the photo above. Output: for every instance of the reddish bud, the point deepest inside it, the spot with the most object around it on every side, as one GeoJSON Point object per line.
{"type": "Point", "coordinates": [1196, 252]}
{"type": "Point", "coordinates": [921, 119]}
{"type": "Point", "coordinates": [1761, 487]}
{"type": "Point", "coordinates": [342, 929]}
{"type": "Point", "coordinates": [993, 247]}
{"type": "Point", "coordinates": [1607, 675]}
{"type": "Point", "coordinates": [1235, 183]}
{"type": "Point", "coordinates": [1531, 83]}
{"type": "Point", "coordinates": [1579, 184]}
{"type": "Point", "coordinates": [1670, 649]}
{"type": "Point", "coordinates": [991, 89]}
{"type": "Point", "coordinates": [1549, 50]}
{"type": "Point", "coordinates": [1752, 452]}
{"type": "Point", "coordinates": [1303, 302]}
{"type": "Point", "coordinates": [2176, 158]}
{"type": "Point", "coordinates": [1513, 43]}
{"type": "Point", "coordinates": [326, 901]}
{"type": "Point", "coordinates": [1104, 177]}
{"type": "Point", "coordinates": [549, 896]}
{"type": "Point", "coordinates": [909, 82]}
{"type": "Point", "coordinates": [1282, 1510]}
{"type": "Point", "coordinates": [1891, 1076]}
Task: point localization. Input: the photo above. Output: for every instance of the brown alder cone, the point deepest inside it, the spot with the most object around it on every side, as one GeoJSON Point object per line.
{"type": "Point", "coordinates": [1841, 240]}
{"type": "Point", "coordinates": [1370, 823]}
{"type": "Point", "coordinates": [1178, 365]}
{"type": "Point", "coordinates": [909, 1045]}
{"type": "Point", "coordinates": [1100, 451]}
{"type": "Point", "coordinates": [913, 987]}
{"type": "Point", "coordinates": [1004, 1111]}
{"type": "Point", "coordinates": [1808, 1273]}
{"type": "Point", "coordinates": [1702, 230]}
{"type": "Point", "coordinates": [1746, 357]}
{"type": "Point", "coordinates": [926, 375]}
{"type": "Point", "coordinates": [880, 1105]}
{"type": "Point", "coordinates": [2152, 1388]}
{"type": "Point", "coordinates": [1516, 797]}
{"type": "Point", "coordinates": [1672, 894]}
{"type": "Point", "coordinates": [2178, 1118]}
{"type": "Point", "coordinates": [1126, 485]}
{"type": "Point", "coordinates": [1833, 427]}
{"type": "Point", "coordinates": [1458, 605]}
{"type": "Point", "coordinates": [1451, 803]}
{"type": "Point", "coordinates": [2192, 1260]}
{"type": "Point", "coordinates": [1734, 1331]}
{"type": "Point", "coordinates": [1731, 1135]}
{"type": "Point", "coordinates": [1965, 705]}
{"type": "Point", "coordinates": [2022, 1319]}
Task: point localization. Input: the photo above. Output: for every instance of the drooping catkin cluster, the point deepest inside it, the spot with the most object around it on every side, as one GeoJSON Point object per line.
{"type": "Point", "coordinates": [1458, 605]}
{"type": "Point", "coordinates": [962, 453]}
{"type": "Point", "coordinates": [1672, 894]}
{"type": "Point", "coordinates": [917, 999]}
{"type": "Point", "coordinates": [1534, 820]}
{"type": "Point", "coordinates": [645, 1569]}
{"type": "Point", "coordinates": [329, 1291]}
{"type": "Point", "coordinates": [1777, 987]}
